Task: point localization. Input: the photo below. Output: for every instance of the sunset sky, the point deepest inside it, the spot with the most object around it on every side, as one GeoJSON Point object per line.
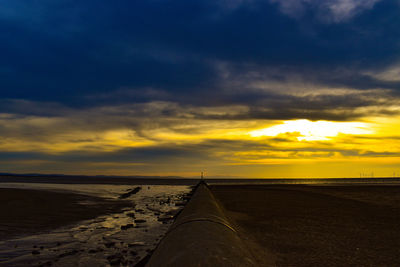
{"type": "Point", "coordinates": [237, 88]}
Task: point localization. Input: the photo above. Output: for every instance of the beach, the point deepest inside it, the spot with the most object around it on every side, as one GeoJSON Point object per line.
{"type": "Point", "coordinates": [84, 224]}
{"type": "Point", "coordinates": [326, 224]}
{"type": "Point", "coordinates": [24, 211]}
{"type": "Point", "coordinates": [302, 225]}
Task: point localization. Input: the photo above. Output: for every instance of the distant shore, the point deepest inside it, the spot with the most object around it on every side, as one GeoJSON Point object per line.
{"type": "Point", "coordinates": [76, 179]}
{"type": "Point", "coordinates": [169, 180]}
{"type": "Point", "coordinates": [26, 211]}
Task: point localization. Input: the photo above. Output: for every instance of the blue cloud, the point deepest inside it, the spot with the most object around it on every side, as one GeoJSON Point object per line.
{"type": "Point", "coordinates": [72, 51]}
{"type": "Point", "coordinates": [329, 11]}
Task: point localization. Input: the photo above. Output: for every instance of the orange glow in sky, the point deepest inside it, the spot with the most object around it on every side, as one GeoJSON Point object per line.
{"type": "Point", "coordinates": [313, 131]}
{"type": "Point", "coordinates": [242, 148]}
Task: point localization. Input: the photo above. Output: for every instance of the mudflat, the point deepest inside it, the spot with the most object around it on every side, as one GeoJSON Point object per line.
{"type": "Point", "coordinates": [25, 211]}
{"type": "Point", "coordinates": [317, 225]}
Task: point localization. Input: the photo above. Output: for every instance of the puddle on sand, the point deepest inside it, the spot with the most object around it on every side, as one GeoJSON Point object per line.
{"type": "Point", "coordinates": [122, 238]}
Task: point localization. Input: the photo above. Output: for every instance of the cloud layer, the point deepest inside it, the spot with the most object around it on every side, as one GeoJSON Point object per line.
{"type": "Point", "coordinates": [129, 86]}
{"type": "Point", "coordinates": [331, 11]}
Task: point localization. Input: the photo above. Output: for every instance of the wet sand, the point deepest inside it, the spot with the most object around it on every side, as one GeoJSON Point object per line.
{"type": "Point", "coordinates": [84, 225]}
{"type": "Point", "coordinates": [317, 225]}
{"type": "Point", "coordinates": [24, 211]}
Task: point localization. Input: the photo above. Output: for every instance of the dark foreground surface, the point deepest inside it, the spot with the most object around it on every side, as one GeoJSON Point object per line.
{"type": "Point", "coordinates": [318, 225]}
{"type": "Point", "coordinates": [24, 211]}
{"type": "Point", "coordinates": [84, 224]}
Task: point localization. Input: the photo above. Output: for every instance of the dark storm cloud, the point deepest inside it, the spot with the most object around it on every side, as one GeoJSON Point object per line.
{"type": "Point", "coordinates": [75, 52]}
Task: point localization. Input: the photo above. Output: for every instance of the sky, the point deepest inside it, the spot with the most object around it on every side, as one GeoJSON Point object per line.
{"type": "Point", "coordinates": [235, 88]}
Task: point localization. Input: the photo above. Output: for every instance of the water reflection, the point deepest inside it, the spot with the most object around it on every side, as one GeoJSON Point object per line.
{"type": "Point", "coordinates": [120, 238]}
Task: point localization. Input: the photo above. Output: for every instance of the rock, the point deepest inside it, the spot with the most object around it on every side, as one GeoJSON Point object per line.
{"type": "Point", "coordinates": [186, 198]}
{"type": "Point", "coordinates": [116, 259]}
{"type": "Point", "coordinates": [165, 218]}
{"type": "Point", "coordinates": [140, 221]}
{"type": "Point", "coordinates": [131, 214]}
{"type": "Point", "coordinates": [115, 262]}
{"type": "Point", "coordinates": [47, 263]}
{"type": "Point", "coordinates": [69, 253]}
{"type": "Point", "coordinates": [125, 227]}
{"type": "Point", "coordinates": [136, 244]}
{"type": "Point", "coordinates": [35, 252]}
{"type": "Point", "coordinates": [109, 244]}
{"type": "Point", "coordinates": [174, 212]}
{"type": "Point", "coordinates": [131, 192]}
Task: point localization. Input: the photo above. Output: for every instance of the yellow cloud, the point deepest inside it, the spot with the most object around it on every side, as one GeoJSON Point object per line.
{"type": "Point", "coordinates": [313, 131]}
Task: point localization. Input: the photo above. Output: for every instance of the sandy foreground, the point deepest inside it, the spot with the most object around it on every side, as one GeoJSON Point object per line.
{"type": "Point", "coordinates": [24, 211]}
{"type": "Point", "coordinates": [301, 225]}
{"type": "Point", "coordinates": [295, 225]}
{"type": "Point", "coordinates": [84, 225]}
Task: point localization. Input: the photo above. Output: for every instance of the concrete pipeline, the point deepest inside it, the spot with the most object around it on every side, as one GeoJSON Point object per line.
{"type": "Point", "coordinates": [202, 236]}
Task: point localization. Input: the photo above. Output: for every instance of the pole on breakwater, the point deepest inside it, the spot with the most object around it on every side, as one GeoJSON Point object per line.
{"type": "Point", "coordinates": [202, 236]}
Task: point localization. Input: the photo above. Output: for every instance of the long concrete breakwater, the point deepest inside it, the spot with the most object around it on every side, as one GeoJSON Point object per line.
{"type": "Point", "coordinates": [202, 236]}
